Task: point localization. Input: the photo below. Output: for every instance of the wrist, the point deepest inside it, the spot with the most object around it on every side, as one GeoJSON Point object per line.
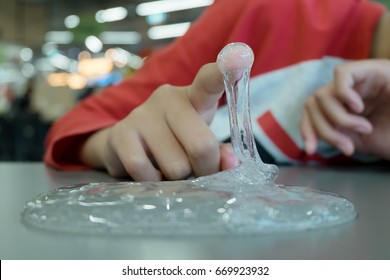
{"type": "Point", "coordinates": [91, 152]}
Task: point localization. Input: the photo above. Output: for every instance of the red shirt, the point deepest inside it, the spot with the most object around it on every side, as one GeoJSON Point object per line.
{"type": "Point", "coordinates": [281, 33]}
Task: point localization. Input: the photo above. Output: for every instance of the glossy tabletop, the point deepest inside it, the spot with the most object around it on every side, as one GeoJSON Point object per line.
{"type": "Point", "coordinates": [367, 237]}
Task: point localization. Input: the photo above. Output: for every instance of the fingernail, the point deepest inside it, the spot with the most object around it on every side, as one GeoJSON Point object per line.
{"type": "Point", "coordinates": [309, 147]}
{"type": "Point", "coordinates": [363, 129]}
{"type": "Point", "coordinates": [357, 106]}
{"type": "Point", "coordinates": [347, 149]}
{"type": "Point", "coordinates": [234, 159]}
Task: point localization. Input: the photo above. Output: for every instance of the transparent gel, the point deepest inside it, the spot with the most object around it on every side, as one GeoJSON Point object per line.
{"type": "Point", "coordinates": [243, 200]}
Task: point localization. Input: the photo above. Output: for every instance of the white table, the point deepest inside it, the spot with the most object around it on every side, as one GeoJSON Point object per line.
{"type": "Point", "coordinates": [367, 237]}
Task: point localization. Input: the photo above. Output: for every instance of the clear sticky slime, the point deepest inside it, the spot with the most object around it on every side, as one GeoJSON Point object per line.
{"type": "Point", "coordinates": [243, 200]}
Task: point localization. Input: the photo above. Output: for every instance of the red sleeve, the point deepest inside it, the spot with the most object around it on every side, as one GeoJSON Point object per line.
{"type": "Point", "coordinates": [280, 32]}
{"type": "Point", "coordinates": [283, 33]}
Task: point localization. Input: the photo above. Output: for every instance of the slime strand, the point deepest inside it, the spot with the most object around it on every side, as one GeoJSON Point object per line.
{"type": "Point", "coordinates": [235, 61]}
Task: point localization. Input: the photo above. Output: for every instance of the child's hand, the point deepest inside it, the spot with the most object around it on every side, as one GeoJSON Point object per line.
{"type": "Point", "coordinates": [167, 136]}
{"type": "Point", "coordinates": [353, 112]}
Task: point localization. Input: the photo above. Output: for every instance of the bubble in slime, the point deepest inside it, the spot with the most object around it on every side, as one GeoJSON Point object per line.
{"type": "Point", "coordinates": [243, 200]}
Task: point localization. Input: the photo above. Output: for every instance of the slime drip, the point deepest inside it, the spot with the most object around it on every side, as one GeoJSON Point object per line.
{"type": "Point", "coordinates": [243, 200]}
{"type": "Point", "coordinates": [235, 62]}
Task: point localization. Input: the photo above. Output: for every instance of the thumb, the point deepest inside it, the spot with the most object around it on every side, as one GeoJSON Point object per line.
{"type": "Point", "coordinates": [206, 90]}
{"type": "Point", "coordinates": [346, 76]}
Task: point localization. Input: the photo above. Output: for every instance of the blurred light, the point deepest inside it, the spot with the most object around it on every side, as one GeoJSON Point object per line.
{"type": "Point", "coordinates": [84, 55]}
{"type": "Point", "coordinates": [10, 74]}
{"type": "Point", "coordinates": [93, 44]}
{"type": "Point", "coordinates": [72, 21]}
{"type": "Point", "coordinates": [165, 6]}
{"type": "Point", "coordinates": [44, 65]}
{"type": "Point", "coordinates": [109, 79]}
{"type": "Point", "coordinates": [118, 37]}
{"type": "Point", "coordinates": [136, 62]}
{"type": "Point", "coordinates": [112, 14]}
{"type": "Point", "coordinates": [73, 66]}
{"type": "Point", "coordinates": [26, 54]}
{"type": "Point", "coordinates": [156, 19]}
{"type": "Point", "coordinates": [121, 58]}
{"type": "Point", "coordinates": [58, 79]}
{"type": "Point", "coordinates": [60, 61]}
{"type": "Point", "coordinates": [59, 37]}
{"type": "Point", "coordinates": [49, 48]}
{"type": "Point", "coordinates": [28, 70]}
{"type": "Point", "coordinates": [76, 81]}
{"type": "Point", "coordinates": [110, 54]}
{"type": "Point", "coordinates": [94, 67]}
{"type": "Point", "coordinates": [168, 31]}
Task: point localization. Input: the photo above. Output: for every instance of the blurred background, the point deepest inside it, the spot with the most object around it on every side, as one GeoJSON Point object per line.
{"type": "Point", "coordinates": [54, 53]}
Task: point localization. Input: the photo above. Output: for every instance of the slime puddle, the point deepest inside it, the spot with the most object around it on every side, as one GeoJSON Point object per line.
{"type": "Point", "coordinates": [244, 200]}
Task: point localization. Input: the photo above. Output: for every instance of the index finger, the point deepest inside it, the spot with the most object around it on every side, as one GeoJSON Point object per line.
{"type": "Point", "coordinates": [207, 88]}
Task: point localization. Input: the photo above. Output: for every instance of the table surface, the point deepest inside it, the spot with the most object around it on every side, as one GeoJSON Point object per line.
{"type": "Point", "coordinates": [366, 237]}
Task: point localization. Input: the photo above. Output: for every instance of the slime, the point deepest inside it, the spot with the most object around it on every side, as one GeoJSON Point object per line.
{"type": "Point", "coordinates": [243, 200]}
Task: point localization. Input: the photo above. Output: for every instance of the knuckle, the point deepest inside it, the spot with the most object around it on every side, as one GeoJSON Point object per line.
{"type": "Point", "coordinates": [137, 115]}
{"type": "Point", "coordinates": [203, 148]}
{"type": "Point", "coordinates": [178, 170]}
{"type": "Point", "coordinates": [115, 136]}
{"type": "Point", "coordinates": [343, 122]}
{"type": "Point", "coordinates": [136, 164]}
{"type": "Point", "coordinates": [114, 131]}
{"type": "Point", "coordinates": [339, 70]}
{"type": "Point", "coordinates": [324, 135]}
{"type": "Point", "coordinates": [320, 93]}
{"type": "Point", "coordinates": [328, 137]}
{"type": "Point", "coordinates": [162, 90]}
{"type": "Point", "coordinates": [163, 95]}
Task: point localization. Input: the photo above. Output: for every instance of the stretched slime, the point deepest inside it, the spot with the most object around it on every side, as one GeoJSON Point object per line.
{"type": "Point", "coordinates": [243, 200]}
